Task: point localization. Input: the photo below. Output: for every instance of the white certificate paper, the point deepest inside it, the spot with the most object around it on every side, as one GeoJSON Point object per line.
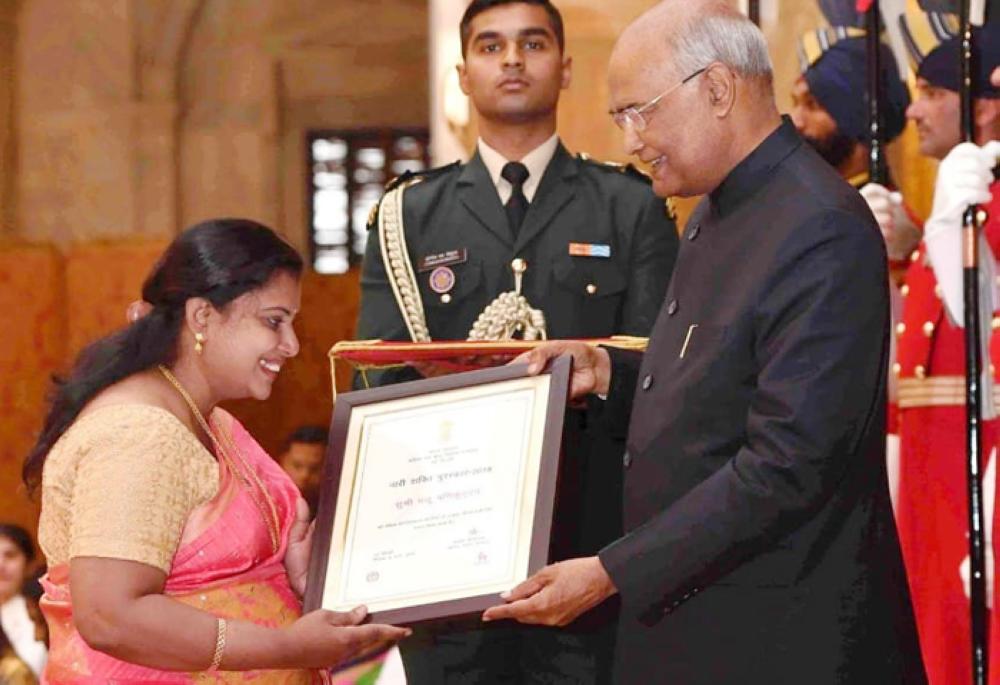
{"type": "Point", "coordinates": [441, 497]}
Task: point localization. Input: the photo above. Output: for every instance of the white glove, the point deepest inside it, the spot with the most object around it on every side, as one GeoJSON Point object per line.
{"type": "Point", "coordinates": [900, 233]}
{"type": "Point", "coordinates": [989, 498]}
{"type": "Point", "coordinates": [964, 178]}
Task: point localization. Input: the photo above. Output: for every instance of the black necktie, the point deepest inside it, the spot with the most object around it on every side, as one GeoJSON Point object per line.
{"type": "Point", "coordinates": [517, 206]}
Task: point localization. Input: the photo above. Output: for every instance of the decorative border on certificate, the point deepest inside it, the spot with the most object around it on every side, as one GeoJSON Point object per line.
{"type": "Point", "coordinates": [438, 494]}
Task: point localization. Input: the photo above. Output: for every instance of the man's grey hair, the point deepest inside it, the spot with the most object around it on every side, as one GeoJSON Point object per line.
{"type": "Point", "coordinates": [731, 39]}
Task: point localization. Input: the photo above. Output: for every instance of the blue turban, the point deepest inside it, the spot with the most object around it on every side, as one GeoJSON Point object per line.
{"type": "Point", "coordinates": [933, 42]}
{"type": "Point", "coordinates": [838, 80]}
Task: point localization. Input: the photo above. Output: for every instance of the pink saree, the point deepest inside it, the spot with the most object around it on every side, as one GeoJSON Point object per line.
{"type": "Point", "coordinates": [224, 564]}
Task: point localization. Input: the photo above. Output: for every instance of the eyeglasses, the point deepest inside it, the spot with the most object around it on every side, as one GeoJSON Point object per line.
{"type": "Point", "coordinates": [633, 116]}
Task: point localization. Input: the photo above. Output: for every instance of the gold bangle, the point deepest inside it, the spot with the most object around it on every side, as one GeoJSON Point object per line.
{"type": "Point", "coordinates": [220, 645]}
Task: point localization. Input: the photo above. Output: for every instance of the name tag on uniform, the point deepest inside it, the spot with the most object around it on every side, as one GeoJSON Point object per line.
{"type": "Point", "coordinates": [433, 261]}
{"type": "Point", "coordinates": [590, 250]}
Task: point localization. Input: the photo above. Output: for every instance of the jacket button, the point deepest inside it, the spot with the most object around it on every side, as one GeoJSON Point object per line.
{"type": "Point", "coordinates": [627, 460]}
{"type": "Point", "coordinates": [693, 232]}
{"type": "Point", "coordinates": [904, 290]}
{"type": "Point", "coordinates": [591, 289]}
{"type": "Point", "coordinates": [672, 308]}
{"type": "Point", "coordinates": [928, 328]}
{"type": "Point", "coordinates": [647, 381]}
{"type": "Point", "coordinates": [920, 372]}
{"type": "Point", "coordinates": [900, 328]}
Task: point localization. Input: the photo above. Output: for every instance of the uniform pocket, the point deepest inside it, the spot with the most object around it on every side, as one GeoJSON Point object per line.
{"type": "Point", "coordinates": [586, 298]}
{"type": "Point", "coordinates": [590, 278]}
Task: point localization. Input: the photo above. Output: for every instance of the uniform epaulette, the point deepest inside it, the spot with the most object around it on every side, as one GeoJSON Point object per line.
{"type": "Point", "coordinates": [670, 205]}
{"type": "Point", "coordinates": [422, 174]}
{"type": "Point", "coordinates": [407, 176]}
{"type": "Point", "coordinates": [628, 169]}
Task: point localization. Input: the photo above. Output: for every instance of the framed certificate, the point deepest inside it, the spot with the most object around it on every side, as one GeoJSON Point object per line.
{"type": "Point", "coordinates": [438, 494]}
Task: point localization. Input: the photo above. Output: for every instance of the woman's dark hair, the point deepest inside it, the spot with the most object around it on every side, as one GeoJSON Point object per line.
{"type": "Point", "coordinates": [218, 260]}
{"type": "Point", "coordinates": [20, 537]}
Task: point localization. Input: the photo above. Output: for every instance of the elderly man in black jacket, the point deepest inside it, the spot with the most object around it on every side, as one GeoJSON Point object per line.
{"type": "Point", "coordinates": [760, 545]}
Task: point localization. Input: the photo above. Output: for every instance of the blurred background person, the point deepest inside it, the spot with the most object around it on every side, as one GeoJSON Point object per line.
{"type": "Point", "coordinates": [23, 636]}
{"type": "Point", "coordinates": [303, 459]}
{"type": "Point", "coordinates": [829, 109]}
{"type": "Point", "coordinates": [828, 98]}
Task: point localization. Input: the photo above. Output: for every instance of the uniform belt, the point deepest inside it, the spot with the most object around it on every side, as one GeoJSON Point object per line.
{"type": "Point", "coordinates": [936, 391]}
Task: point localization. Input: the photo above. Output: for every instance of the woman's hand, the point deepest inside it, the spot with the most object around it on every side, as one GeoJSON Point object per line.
{"type": "Point", "coordinates": [299, 547]}
{"type": "Point", "coordinates": [324, 639]}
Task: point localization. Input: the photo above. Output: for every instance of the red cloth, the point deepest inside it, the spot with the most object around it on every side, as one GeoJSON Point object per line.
{"type": "Point", "coordinates": [457, 355]}
{"type": "Point", "coordinates": [932, 509]}
{"type": "Point", "coordinates": [863, 5]}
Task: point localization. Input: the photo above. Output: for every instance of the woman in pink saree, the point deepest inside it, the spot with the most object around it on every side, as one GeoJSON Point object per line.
{"type": "Point", "coordinates": [177, 548]}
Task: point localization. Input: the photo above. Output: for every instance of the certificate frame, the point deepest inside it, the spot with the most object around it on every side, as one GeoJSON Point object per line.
{"type": "Point", "coordinates": [347, 464]}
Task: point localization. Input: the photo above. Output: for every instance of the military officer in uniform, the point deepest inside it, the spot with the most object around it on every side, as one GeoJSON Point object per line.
{"type": "Point", "coordinates": [581, 249]}
{"type": "Point", "coordinates": [760, 545]}
{"type": "Point", "coordinates": [932, 513]}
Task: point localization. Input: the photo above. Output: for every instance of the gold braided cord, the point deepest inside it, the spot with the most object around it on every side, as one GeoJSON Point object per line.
{"type": "Point", "coordinates": [396, 258]}
{"type": "Point", "coordinates": [508, 315]}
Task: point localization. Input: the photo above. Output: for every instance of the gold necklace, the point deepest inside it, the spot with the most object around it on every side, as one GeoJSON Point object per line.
{"type": "Point", "coordinates": [269, 513]}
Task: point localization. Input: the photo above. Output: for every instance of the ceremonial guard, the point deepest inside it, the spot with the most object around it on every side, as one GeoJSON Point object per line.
{"type": "Point", "coordinates": [932, 509]}
{"type": "Point", "coordinates": [529, 241]}
{"type": "Point", "coordinates": [829, 109]}
{"type": "Point", "coordinates": [828, 100]}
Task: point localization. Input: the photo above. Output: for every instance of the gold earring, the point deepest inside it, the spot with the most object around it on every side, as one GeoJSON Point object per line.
{"type": "Point", "coordinates": [199, 339]}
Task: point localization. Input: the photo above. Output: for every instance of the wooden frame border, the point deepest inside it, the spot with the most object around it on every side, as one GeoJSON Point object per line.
{"type": "Point", "coordinates": [559, 369]}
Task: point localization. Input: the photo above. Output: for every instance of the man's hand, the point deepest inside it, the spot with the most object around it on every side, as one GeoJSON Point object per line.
{"type": "Point", "coordinates": [591, 365]}
{"type": "Point", "coordinates": [557, 594]}
{"type": "Point", "coordinates": [901, 235]}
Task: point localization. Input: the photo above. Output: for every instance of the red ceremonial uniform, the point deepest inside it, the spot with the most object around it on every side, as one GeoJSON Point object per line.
{"type": "Point", "coordinates": [932, 510]}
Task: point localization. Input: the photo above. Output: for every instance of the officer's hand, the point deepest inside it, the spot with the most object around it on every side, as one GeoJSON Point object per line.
{"type": "Point", "coordinates": [901, 235]}
{"type": "Point", "coordinates": [963, 179]}
{"type": "Point", "coordinates": [557, 594]}
{"type": "Point", "coordinates": [591, 365]}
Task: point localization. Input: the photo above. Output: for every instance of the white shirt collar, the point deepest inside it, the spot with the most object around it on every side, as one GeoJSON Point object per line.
{"type": "Point", "coordinates": [537, 160]}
